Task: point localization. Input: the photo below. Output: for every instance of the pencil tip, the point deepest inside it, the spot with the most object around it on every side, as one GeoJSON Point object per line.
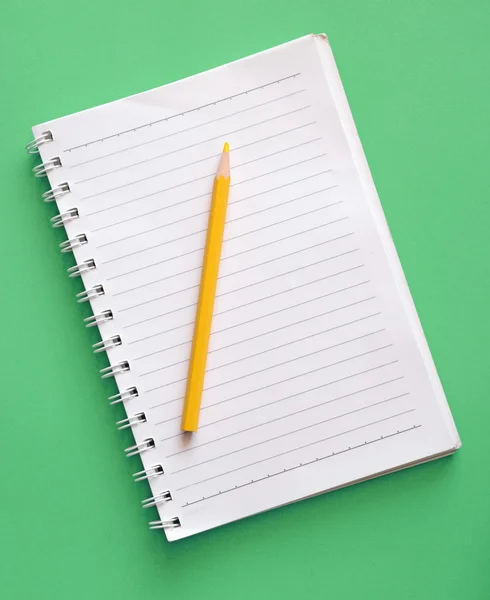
{"type": "Point", "coordinates": [226, 147]}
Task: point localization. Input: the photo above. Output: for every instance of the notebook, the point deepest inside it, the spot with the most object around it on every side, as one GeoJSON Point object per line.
{"type": "Point", "coordinates": [318, 373]}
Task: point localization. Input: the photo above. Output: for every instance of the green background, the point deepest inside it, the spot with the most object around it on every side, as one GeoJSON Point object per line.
{"type": "Point", "coordinates": [416, 74]}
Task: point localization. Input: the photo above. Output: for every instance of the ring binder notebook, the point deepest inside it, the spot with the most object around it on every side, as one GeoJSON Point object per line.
{"type": "Point", "coordinates": [318, 373]}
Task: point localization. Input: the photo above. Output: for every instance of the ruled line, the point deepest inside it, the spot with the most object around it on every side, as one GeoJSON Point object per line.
{"type": "Point", "coordinates": [260, 334]}
{"type": "Point", "coordinates": [235, 273]}
{"type": "Point", "coordinates": [196, 127]}
{"type": "Point", "coordinates": [265, 262]}
{"type": "Point", "coordinates": [351, 376]}
{"type": "Point", "coordinates": [142, 162]}
{"type": "Point", "coordinates": [318, 387]}
{"type": "Point", "coordinates": [181, 114]}
{"type": "Point", "coordinates": [279, 169]}
{"type": "Point", "coordinates": [160, 173]}
{"type": "Point", "coordinates": [276, 152]}
{"type": "Point", "coordinates": [305, 464]}
{"type": "Point", "coordinates": [216, 137]}
{"type": "Point", "coordinates": [275, 420]}
{"type": "Point", "coordinates": [301, 339]}
{"type": "Point", "coordinates": [249, 286]}
{"type": "Point", "coordinates": [253, 302]}
{"type": "Point", "coordinates": [270, 349]}
{"type": "Point", "coordinates": [227, 239]}
{"type": "Point", "coordinates": [205, 212]}
{"type": "Point", "coordinates": [281, 364]}
{"type": "Point", "coordinates": [293, 449]}
{"type": "Point", "coordinates": [171, 188]}
{"type": "Point", "coordinates": [151, 212]}
{"type": "Point", "coordinates": [344, 360]}
{"type": "Point", "coordinates": [186, 182]}
{"type": "Point", "coordinates": [287, 237]}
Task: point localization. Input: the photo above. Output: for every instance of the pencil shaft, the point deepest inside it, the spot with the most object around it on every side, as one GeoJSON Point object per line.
{"type": "Point", "coordinates": [205, 305]}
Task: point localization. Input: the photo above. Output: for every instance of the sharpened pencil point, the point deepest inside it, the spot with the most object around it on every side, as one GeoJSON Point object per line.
{"type": "Point", "coordinates": [207, 294]}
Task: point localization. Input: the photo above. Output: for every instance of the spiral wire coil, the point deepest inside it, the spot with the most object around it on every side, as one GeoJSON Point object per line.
{"type": "Point", "coordinates": [150, 473]}
{"type": "Point", "coordinates": [88, 295]}
{"type": "Point", "coordinates": [56, 192]}
{"type": "Point", "coordinates": [65, 217]}
{"type": "Point", "coordinates": [45, 167]}
{"type": "Point", "coordinates": [33, 146]}
{"type": "Point", "coordinates": [79, 240]}
{"type": "Point", "coordinates": [160, 498]}
{"type": "Point", "coordinates": [165, 524]}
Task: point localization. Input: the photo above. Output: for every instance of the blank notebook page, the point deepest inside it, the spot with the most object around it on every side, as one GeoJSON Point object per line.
{"type": "Point", "coordinates": [318, 372]}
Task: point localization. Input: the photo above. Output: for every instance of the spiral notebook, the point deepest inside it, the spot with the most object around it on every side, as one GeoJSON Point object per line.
{"type": "Point", "coordinates": [318, 373]}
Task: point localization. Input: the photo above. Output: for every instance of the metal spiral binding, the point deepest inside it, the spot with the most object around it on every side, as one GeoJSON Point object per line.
{"type": "Point", "coordinates": [44, 168]}
{"type": "Point", "coordinates": [104, 345]}
{"type": "Point", "coordinates": [165, 524]}
{"type": "Point", "coordinates": [132, 392]}
{"type": "Point", "coordinates": [150, 473]}
{"type": "Point", "coordinates": [64, 217]}
{"type": "Point", "coordinates": [94, 292]}
{"type": "Point", "coordinates": [160, 498]}
{"type": "Point", "coordinates": [133, 420]}
{"type": "Point", "coordinates": [105, 315]}
{"type": "Point", "coordinates": [147, 444]}
{"type": "Point", "coordinates": [33, 146]}
{"type": "Point", "coordinates": [56, 192]}
{"type": "Point", "coordinates": [88, 295]}
{"type": "Point", "coordinates": [114, 369]}
{"type": "Point", "coordinates": [79, 240]}
{"type": "Point", "coordinates": [77, 270]}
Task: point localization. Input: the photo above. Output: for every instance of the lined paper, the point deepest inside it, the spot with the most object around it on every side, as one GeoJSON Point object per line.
{"type": "Point", "coordinates": [315, 377]}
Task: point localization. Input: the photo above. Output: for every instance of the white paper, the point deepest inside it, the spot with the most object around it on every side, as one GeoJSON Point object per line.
{"type": "Point", "coordinates": [318, 373]}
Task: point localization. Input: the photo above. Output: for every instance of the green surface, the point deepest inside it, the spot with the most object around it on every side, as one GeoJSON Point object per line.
{"type": "Point", "coordinates": [416, 74]}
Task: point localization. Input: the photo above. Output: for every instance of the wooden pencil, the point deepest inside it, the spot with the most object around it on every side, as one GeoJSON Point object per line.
{"type": "Point", "coordinates": [207, 293]}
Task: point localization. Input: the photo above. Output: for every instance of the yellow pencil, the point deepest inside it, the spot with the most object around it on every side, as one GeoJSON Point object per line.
{"type": "Point", "coordinates": [207, 292]}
